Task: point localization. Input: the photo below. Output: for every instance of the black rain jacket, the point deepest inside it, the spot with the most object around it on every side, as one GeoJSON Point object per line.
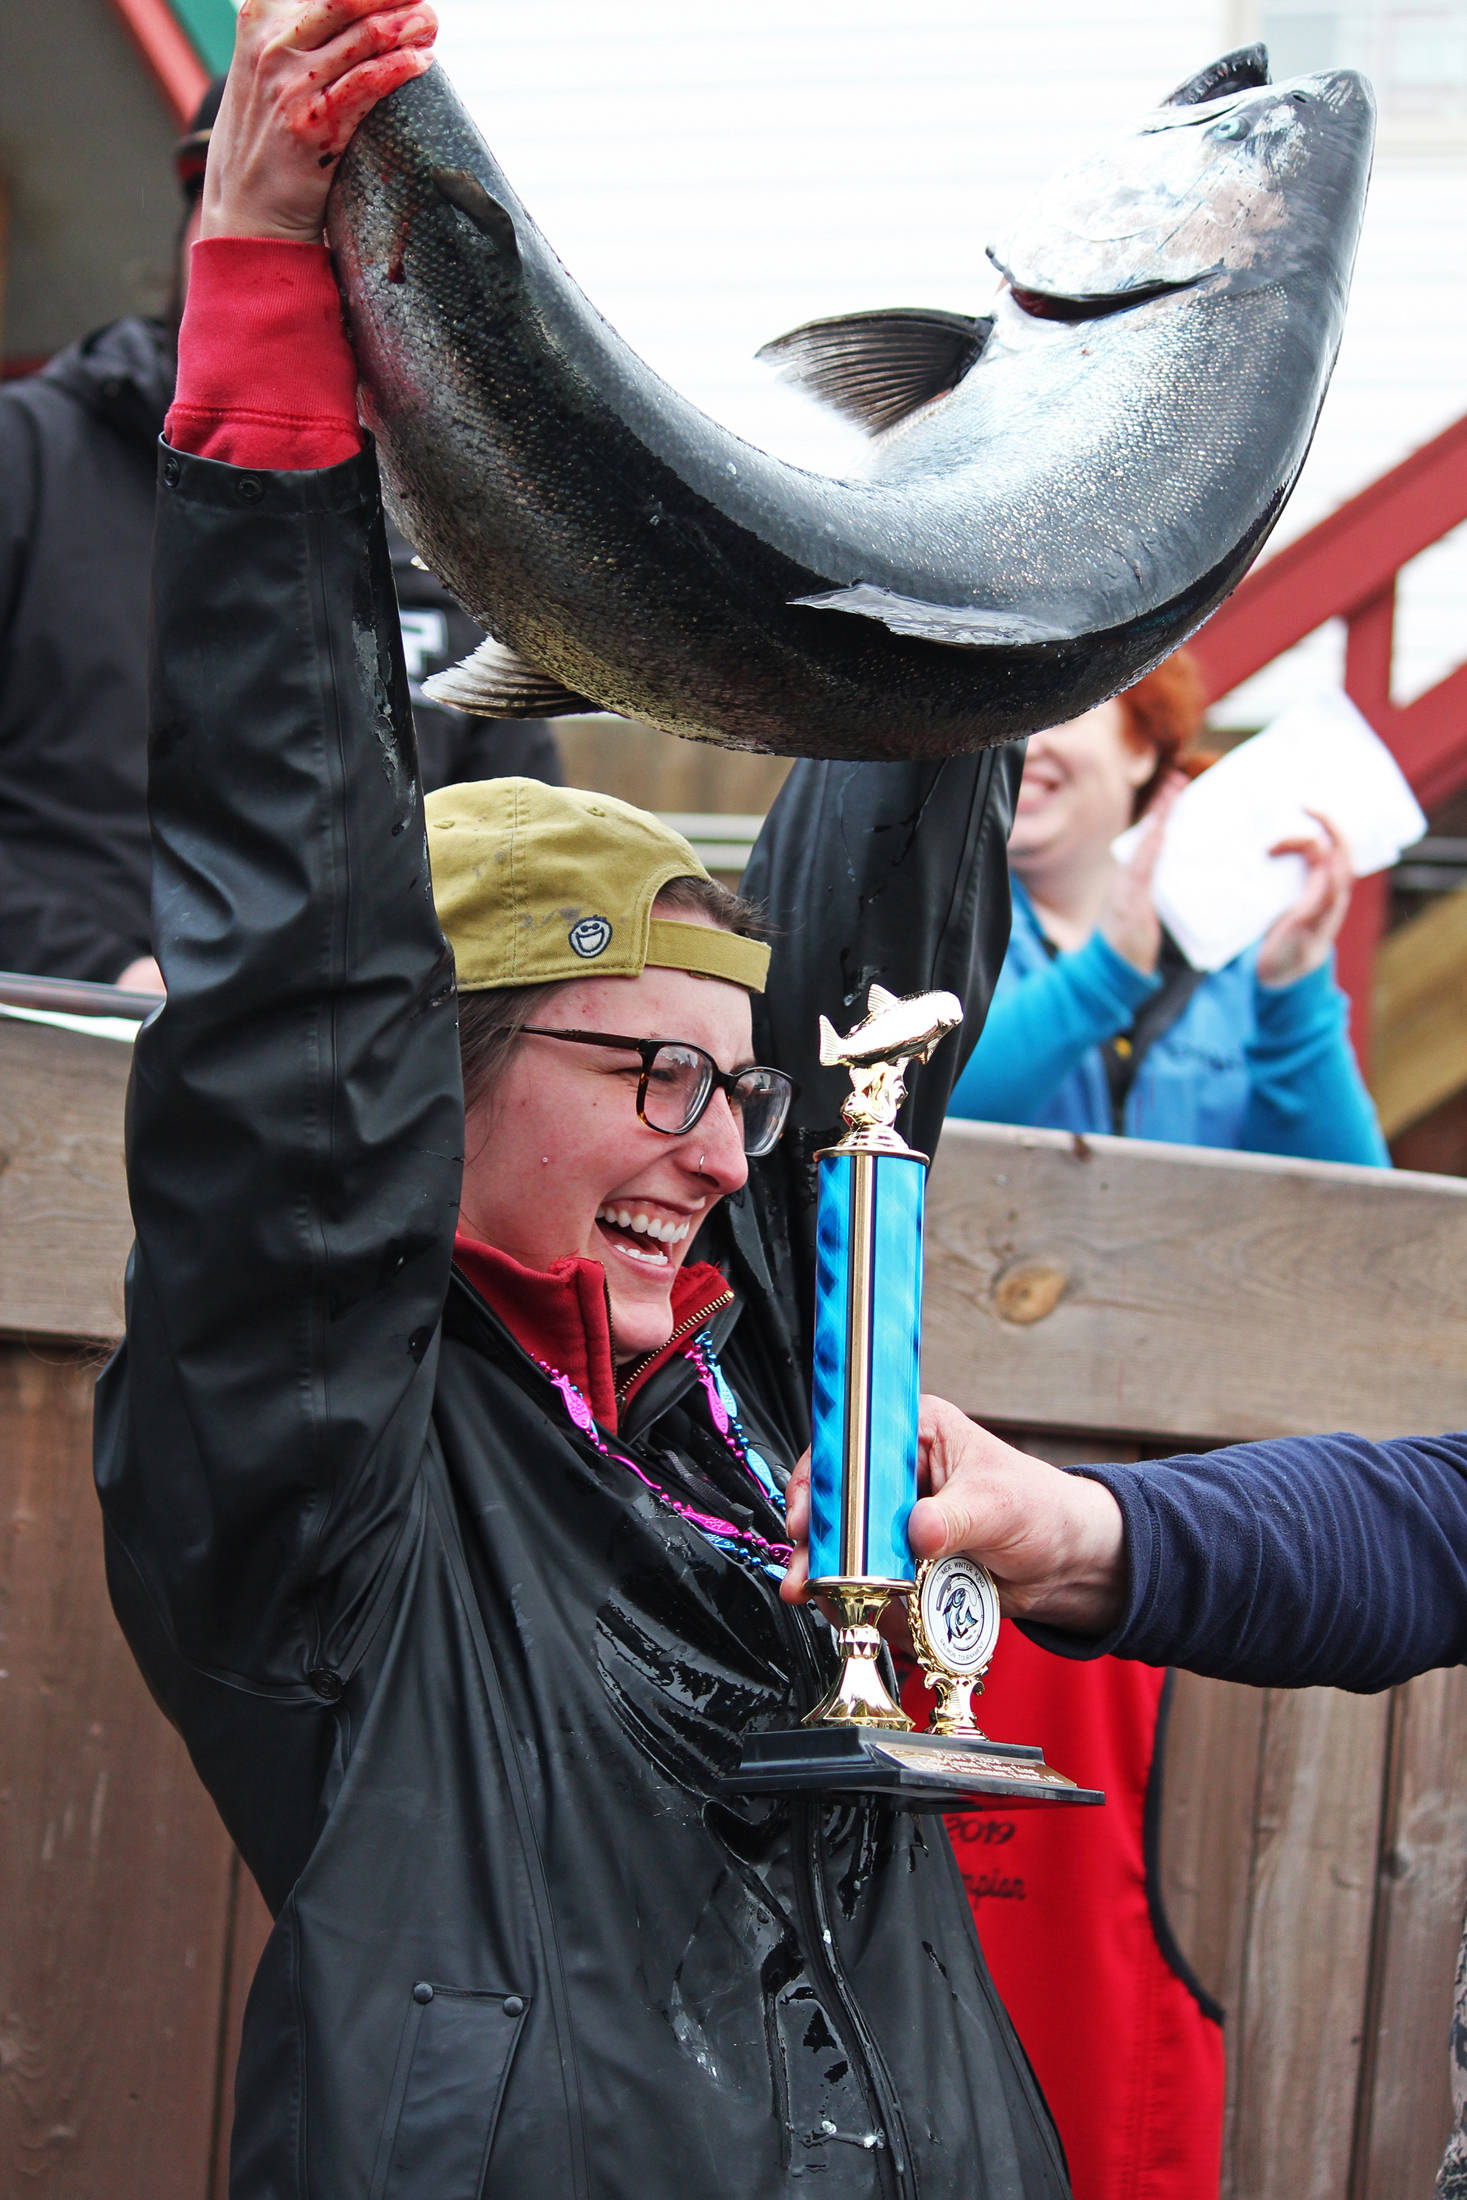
{"type": "Point", "coordinates": [460, 1685]}
{"type": "Point", "coordinates": [78, 455]}
{"type": "Point", "coordinates": [78, 459]}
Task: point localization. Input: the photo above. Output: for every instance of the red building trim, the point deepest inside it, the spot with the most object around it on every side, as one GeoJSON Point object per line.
{"type": "Point", "coordinates": [1341, 565]}
{"type": "Point", "coordinates": [167, 50]}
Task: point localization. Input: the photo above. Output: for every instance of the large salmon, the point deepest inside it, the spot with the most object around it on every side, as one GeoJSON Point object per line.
{"type": "Point", "coordinates": [1057, 493]}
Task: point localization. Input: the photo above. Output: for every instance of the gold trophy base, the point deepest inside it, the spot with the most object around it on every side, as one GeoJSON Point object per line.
{"type": "Point", "coordinates": [859, 1741]}
{"type": "Point", "coordinates": [859, 1695]}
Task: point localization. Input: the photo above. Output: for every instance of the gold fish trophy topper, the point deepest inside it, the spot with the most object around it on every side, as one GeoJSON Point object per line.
{"type": "Point", "coordinates": [893, 1032]}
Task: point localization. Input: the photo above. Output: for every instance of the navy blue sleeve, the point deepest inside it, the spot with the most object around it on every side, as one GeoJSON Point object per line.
{"type": "Point", "coordinates": [1308, 1561]}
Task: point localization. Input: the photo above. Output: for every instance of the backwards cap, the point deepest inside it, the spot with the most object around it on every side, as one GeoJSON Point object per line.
{"type": "Point", "coordinates": [191, 152]}
{"type": "Point", "coordinates": [535, 885]}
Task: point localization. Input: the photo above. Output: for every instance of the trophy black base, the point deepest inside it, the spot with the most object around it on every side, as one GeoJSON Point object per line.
{"type": "Point", "coordinates": [921, 1771]}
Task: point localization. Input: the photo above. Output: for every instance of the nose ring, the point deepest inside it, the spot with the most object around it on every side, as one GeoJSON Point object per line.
{"type": "Point", "coordinates": [701, 1159]}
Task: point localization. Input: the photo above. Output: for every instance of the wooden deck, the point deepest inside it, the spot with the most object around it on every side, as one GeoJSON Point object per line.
{"type": "Point", "coordinates": [1098, 1298]}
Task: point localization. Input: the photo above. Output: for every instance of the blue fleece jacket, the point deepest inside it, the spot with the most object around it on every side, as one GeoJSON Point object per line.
{"type": "Point", "coordinates": [1309, 1561]}
{"type": "Point", "coordinates": [1256, 1068]}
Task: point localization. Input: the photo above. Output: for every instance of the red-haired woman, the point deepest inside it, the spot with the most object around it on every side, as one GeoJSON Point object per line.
{"type": "Point", "coordinates": [1099, 1024]}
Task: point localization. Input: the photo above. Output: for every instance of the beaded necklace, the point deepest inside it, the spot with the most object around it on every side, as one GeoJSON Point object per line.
{"type": "Point", "coordinates": [740, 1543]}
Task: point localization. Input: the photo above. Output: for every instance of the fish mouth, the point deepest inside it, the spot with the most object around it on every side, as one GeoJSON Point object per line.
{"type": "Point", "coordinates": [1333, 89]}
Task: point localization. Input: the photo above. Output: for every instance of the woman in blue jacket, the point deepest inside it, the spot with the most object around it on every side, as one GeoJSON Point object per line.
{"type": "Point", "coordinates": [1099, 1024]}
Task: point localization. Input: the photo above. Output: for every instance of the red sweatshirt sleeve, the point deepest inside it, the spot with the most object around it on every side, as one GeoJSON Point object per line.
{"type": "Point", "coordinates": [266, 376]}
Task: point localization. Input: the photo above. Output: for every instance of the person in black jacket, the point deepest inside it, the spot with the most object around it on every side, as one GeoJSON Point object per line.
{"type": "Point", "coordinates": [77, 466]}
{"type": "Point", "coordinates": [460, 1579]}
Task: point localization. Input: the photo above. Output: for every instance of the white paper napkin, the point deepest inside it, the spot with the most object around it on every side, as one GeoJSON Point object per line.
{"type": "Point", "coordinates": [1217, 887]}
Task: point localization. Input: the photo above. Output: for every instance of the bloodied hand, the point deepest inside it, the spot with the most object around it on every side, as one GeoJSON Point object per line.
{"type": "Point", "coordinates": [304, 74]}
{"type": "Point", "coordinates": [1053, 1542]}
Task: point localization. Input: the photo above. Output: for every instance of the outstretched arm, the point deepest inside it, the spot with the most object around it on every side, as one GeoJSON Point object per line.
{"type": "Point", "coordinates": [1054, 1543]}
{"type": "Point", "coordinates": [1308, 1561]}
{"type": "Point", "coordinates": [891, 872]}
{"type": "Point", "coordinates": [295, 1120]}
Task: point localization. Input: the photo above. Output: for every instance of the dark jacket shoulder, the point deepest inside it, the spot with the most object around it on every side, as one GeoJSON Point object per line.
{"type": "Point", "coordinates": [76, 522]}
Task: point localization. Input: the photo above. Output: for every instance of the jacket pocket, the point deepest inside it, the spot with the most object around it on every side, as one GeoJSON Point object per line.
{"type": "Point", "coordinates": [452, 2063]}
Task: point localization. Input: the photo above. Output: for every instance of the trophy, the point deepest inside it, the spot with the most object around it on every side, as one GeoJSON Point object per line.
{"type": "Point", "coordinates": [863, 1473]}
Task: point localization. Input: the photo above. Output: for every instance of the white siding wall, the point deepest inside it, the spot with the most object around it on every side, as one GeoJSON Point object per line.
{"type": "Point", "coordinates": [712, 176]}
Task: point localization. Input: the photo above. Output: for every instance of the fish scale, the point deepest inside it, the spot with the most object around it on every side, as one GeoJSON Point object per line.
{"type": "Point", "coordinates": [1051, 502]}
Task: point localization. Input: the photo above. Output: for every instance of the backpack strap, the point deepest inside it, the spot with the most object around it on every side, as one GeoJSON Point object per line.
{"type": "Point", "coordinates": [1124, 1054]}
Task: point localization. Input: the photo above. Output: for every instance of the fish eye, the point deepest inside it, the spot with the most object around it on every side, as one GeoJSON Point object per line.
{"type": "Point", "coordinates": [1231, 126]}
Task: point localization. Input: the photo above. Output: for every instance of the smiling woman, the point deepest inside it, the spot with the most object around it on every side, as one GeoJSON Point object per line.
{"type": "Point", "coordinates": [443, 1484]}
{"type": "Point", "coordinates": [565, 1159]}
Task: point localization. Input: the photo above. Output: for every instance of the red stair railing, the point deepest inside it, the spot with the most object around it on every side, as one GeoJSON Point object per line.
{"type": "Point", "coordinates": [1347, 567]}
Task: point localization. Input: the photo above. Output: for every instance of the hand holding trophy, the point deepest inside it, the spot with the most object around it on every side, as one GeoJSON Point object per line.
{"type": "Point", "coordinates": [863, 1472]}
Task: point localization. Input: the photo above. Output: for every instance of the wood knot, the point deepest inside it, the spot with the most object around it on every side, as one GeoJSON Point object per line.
{"type": "Point", "coordinates": [1029, 1291]}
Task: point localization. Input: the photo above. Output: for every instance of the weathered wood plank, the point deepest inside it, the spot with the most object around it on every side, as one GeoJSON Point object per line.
{"type": "Point", "coordinates": [1209, 1792]}
{"type": "Point", "coordinates": [1097, 1284]}
{"type": "Point", "coordinates": [64, 1223]}
{"type": "Point", "coordinates": [1102, 1283]}
{"type": "Point", "coordinates": [113, 1866]}
{"type": "Point", "coordinates": [1296, 2048]}
{"type": "Point", "coordinates": [1405, 2111]}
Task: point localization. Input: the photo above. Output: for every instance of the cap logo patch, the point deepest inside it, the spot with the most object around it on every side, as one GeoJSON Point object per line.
{"type": "Point", "coordinates": [591, 937]}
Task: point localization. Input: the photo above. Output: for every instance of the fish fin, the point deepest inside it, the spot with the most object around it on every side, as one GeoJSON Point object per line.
{"type": "Point", "coordinates": [877, 997]}
{"type": "Point", "coordinates": [464, 190]}
{"type": "Point", "coordinates": [1238, 71]}
{"type": "Point", "coordinates": [831, 1043]}
{"type": "Point", "coordinates": [496, 683]}
{"type": "Point", "coordinates": [876, 368]}
{"type": "Point", "coordinates": [968, 626]}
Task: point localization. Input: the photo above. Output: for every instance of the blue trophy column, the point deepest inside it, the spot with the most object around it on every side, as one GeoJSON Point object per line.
{"type": "Point", "coordinates": [868, 1309]}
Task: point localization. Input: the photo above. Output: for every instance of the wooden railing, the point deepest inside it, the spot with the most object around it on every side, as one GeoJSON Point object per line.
{"type": "Point", "coordinates": [1097, 1297]}
{"type": "Point", "coordinates": [1347, 567]}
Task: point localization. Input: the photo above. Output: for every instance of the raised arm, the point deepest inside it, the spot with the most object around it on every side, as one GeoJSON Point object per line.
{"type": "Point", "coordinates": [892, 872]}
{"type": "Point", "coordinates": [295, 1119]}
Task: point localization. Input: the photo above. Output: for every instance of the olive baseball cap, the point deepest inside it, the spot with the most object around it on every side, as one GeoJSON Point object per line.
{"type": "Point", "coordinates": [535, 885]}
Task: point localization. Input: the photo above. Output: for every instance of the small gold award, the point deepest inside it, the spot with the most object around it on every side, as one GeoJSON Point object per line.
{"type": "Point", "coordinates": [954, 1609]}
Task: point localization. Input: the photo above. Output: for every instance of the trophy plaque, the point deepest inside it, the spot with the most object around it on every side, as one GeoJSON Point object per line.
{"type": "Point", "coordinates": [863, 1474]}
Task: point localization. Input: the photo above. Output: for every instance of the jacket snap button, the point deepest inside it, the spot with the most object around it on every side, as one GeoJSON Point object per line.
{"type": "Point", "coordinates": [250, 490]}
{"type": "Point", "coordinates": [171, 471]}
{"type": "Point", "coordinates": [326, 1683]}
{"type": "Point", "coordinates": [513, 2006]}
{"type": "Point", "coordinates": [422, 1991]}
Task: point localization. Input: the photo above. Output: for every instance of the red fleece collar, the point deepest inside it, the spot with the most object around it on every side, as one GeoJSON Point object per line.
{"type": "Point", "coordinates": [561, 1317]}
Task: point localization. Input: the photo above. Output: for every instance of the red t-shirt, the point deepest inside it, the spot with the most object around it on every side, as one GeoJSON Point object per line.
{"type": "Point", "coordinates": [1127, 2049]}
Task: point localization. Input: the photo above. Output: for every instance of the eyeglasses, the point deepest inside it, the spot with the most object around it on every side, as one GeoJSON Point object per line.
{"type": "Point", "coordinates": [679, 1080]}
